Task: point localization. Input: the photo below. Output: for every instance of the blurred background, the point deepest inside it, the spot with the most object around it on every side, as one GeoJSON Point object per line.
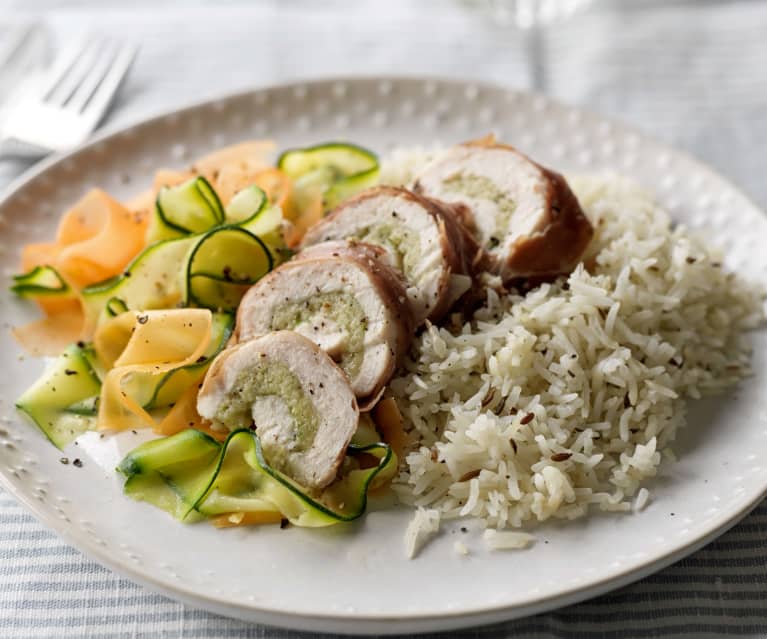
{"type": "Point", "coordinates": [691, 73]}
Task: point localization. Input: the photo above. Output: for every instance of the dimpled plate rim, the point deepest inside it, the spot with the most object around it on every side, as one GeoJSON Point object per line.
{"type": "Point", "coordinates": [387, 111]}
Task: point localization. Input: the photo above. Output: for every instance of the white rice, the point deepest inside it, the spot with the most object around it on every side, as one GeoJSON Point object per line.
{"type": "Point", "coordinates": [460, 548]}
{"type": "Point", "coordinates": [567, 398]}
{"type": "Point", "coordinates": [421, 528]}
{"type": "Point", "coordinates": [507, 539]}
{"type": "Point", "coordinates": [643, 497]}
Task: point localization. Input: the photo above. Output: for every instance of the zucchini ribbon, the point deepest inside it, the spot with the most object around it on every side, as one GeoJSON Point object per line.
{"type": "Point", "coordinates": [192, 476]}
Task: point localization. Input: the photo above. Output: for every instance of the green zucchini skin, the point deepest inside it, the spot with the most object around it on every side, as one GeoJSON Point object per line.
{"type": "Point", "coordinates": [241, 480]}
{"type": "Point", "coordinates": [41, 281]}
{"type": "Point", "coordinates": [150, 281]}
{"type": "Point", "coordinates": [223, 265]}
{"type": "Point", "coordinates": [172, 472]}
{"type": "Point", "coordinates": [163, 275]}
{"type": "Point", "coordinates": [62, 403]}
{"type": "Point", "coordinates": [115, 306]}
{"type": "Point", "coordinates": [337, 169]}
{"type": "Point", "coordinates": [188, 208]}
{"type": "Point", "coordinates": [246, 205]}
{"type": "Point", "coordinates": [194, 207]}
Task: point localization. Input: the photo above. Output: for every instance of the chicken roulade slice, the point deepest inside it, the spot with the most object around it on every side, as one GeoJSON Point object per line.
{"type": "Point", "coordinates": [297, 399]}
{"type": "Point", "coordinates": [423, 241]}
{"type": "Point", "coordinates": [344, 298]}
{"type": "Point", "coordinates": [524, 216]}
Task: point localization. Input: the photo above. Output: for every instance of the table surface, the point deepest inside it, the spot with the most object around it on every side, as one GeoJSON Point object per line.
{"type": "Point", "coordinates": [689, 73]}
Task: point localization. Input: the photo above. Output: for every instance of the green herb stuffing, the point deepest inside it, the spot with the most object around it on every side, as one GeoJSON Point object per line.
{"type": "Point", "coordinates": [339, 309]}
{"type": "Point", "coordinates": [276, 381]}
{"type": "Point", "coordinates": [482, 188]}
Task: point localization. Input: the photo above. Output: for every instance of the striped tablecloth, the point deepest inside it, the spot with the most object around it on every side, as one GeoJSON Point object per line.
{"type": "Point", "coordinates": [693, 74]}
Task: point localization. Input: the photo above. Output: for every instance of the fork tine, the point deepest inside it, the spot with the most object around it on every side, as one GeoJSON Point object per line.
{"type": "Point", "coordinates": [75, 74]}
{"type": "Point", "coordinates": [102, 96]}
{"type": "Point", "coordinates": [94, 77]}
{"type": "Point", "coordinates": [14, 44]}
{"type": "Point", "coordinates": [61, 66]}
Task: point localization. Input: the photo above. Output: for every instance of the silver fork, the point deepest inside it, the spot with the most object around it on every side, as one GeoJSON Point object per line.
{"type": "Point", "coordinates": [74, 96]}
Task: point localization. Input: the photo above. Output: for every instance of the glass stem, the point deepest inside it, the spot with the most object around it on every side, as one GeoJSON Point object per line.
{"type": "Point", "coordinates": [536, 57]}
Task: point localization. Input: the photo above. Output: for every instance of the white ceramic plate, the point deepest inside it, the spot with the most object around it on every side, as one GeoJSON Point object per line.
{"type": "Point", "coordinates": [356, 578]}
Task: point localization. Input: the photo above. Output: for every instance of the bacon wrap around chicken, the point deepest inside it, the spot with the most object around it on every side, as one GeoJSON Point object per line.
{"type": "Point", "coordinates": [524, 216]}
{"type": "Point", "coordinates": [423, 240]}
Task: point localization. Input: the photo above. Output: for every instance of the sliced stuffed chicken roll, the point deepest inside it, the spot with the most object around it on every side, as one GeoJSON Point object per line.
{"type": "Point", "coordinates": [423, 241]}
{"type": "Point", "coordinates": [344, 298]}
{"type": "Point", "coordinates": [524, 216]}
{"type": "Point", "coordinates": [292, 393]}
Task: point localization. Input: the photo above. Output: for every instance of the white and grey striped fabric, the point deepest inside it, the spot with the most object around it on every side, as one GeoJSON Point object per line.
{"type": "Point", "coordinates": [691, 73]}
